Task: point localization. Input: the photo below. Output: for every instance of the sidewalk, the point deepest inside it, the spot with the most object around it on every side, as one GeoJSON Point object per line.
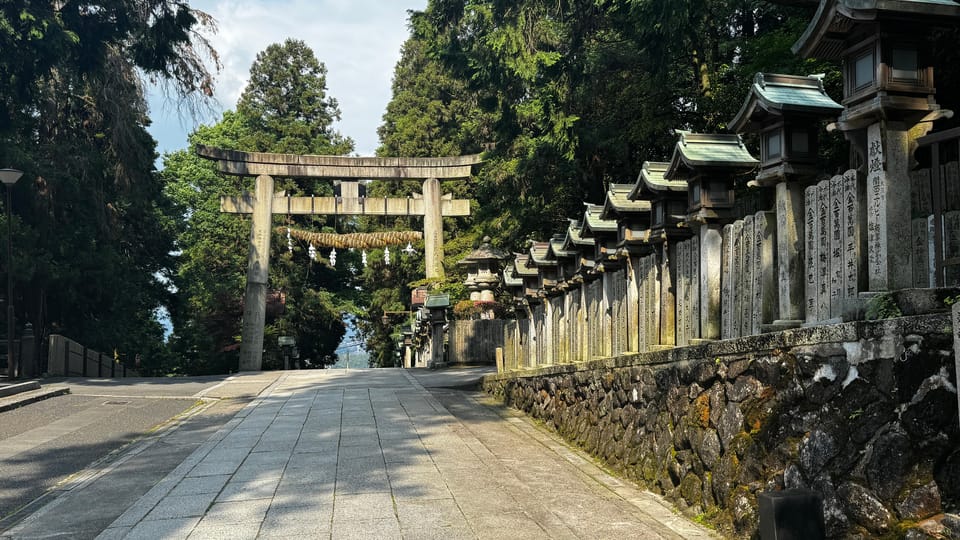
{"type": "Point", "coordinates": [369, 454]}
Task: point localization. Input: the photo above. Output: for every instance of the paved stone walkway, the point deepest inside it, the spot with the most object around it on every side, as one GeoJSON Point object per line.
{"type": "Point", "coordinates": [373, 454]}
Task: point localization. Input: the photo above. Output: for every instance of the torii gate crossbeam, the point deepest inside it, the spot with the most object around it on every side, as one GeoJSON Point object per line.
{"type": "Point", "coordinates": [263, 204]}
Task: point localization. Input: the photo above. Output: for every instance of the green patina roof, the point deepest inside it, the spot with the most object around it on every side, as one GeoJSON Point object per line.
{"type": "Point", "coordinates": [508, 279]}
{"type": "Point", "coordinates": [825, 36]}
{"type": "Point", "coordinates": [775, 94]}
{"type": "Point", "coordinates": [703, 150]}
{"type": "Point", "coordinates": [521, 266]}
{"type": "Point", "coordinates": [437, 301]}
{"type": "Point", "coordinates": [557, 246]}
{"type": "Point", "coordinates": [618, 202]}
{"type": "Point", "coordinates": [539, 252]}
{"type": "Point", "coordinates": [651, 181]}
{"type": "Point", "coordinates": [574, 237]}
{"type": "Point", "coordinates": [593, 223]}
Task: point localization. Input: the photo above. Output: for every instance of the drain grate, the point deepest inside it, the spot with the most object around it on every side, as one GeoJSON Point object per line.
{"type": "Point", "coordinates": [116, 402]}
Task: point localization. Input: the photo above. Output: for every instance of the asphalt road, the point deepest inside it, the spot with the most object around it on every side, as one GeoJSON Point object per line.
{"type": "Point", "coordinates": [44, 443]}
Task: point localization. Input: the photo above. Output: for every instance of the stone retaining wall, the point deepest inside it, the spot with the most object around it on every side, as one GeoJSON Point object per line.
{"type": "Point", "coordinates": [865, 413]}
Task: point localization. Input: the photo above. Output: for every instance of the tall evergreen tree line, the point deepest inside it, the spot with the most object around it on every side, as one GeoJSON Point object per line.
{"type": "Point", "coordinates": [91, 229]}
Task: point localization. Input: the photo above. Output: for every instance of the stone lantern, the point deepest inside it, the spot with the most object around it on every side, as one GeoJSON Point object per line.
{"type": "Point", "coordinates": [709, 163]}
{"type": "Point", "coordinates": [632, 217]}
{"type": "Point", "coordinates": [888, 104]}
{"type": "Point", "coordinates": [667, 198]}
{"type": "Point", "coordinates": [886, 52]}
{"type": "Point", "coordinates": [786, 110]}
{"type": "Point", "coordinates": [436, 306]}
{"type": "Point", "coordinates": [668, 208]}
{"type": "Point", "coordinates": [483, 271]}
{"type": "Point", "coordinates": [604, 232]}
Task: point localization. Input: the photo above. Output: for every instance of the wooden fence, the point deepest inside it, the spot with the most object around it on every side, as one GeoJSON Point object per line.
{"type": "Point", "coordinates": [475, 342]}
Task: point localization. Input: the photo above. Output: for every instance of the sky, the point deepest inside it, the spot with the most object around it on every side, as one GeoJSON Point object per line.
{"type": "Point", "coordinates": [358, 40]}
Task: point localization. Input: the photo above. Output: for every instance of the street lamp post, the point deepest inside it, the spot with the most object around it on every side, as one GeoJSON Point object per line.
{"type": "Point", "coordinates": [9, 177]}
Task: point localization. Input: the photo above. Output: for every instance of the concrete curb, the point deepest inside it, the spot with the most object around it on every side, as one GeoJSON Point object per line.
{"type": "Point", "coordinates": [17, 388]}
{"type": "Point", "coordinates": [25, 398]}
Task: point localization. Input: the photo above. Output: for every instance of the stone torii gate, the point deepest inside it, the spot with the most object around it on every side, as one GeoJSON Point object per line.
{"type": "Point", "coordinates": [263, 204]}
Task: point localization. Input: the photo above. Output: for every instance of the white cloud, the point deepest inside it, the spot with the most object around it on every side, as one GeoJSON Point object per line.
{"type": "Point", "coordinates": [358, 40]}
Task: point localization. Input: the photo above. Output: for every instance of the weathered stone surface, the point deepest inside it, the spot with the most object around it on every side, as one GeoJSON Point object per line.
{"type": "Point", "coordinates": [731, 423]}
{"type": "Point", "coordinates": [890, 460]}
{"type": "Point", "coordinates": [923, 417]}
{"type": "Point", "coordinates": [816, 450]}
{"type": "Point", "coordinates": [743, 388]}
{"type": "Point", "coordinates": [951, 525]}
{"type": "Point", "coordinates": [864, 507]}
{"type": "Point", "coordinates": [920, 503]}
{"type": "Point", "coordinates": [709, 448]}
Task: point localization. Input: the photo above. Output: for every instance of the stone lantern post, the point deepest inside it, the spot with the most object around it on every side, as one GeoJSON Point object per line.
{"type": "Point", "coordinates": [888, 104]}
{"type": "Point", "coordinates": [483, 272]}
{"type": "Point", "coordinates": [709, 163]}
{"type": "Point", "coordinates": [786, 111]}
{"type": "Point", "coordinates": [668, 203]}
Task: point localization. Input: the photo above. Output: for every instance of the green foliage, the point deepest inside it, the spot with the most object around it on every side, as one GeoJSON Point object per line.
{"type": "Point", "coordinates": [882, 306]}
{"type": "Point", "coordinates": [92, 228]}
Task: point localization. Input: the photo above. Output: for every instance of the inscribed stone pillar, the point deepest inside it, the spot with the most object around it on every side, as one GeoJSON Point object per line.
{"type": "Point", "coordinates": [852, 253]}
{"type": "Point", "coordinates": [888, 208]}
{"type": "Point", "coordinates": [736, 285]}
{"type": "Point", "coordinates": [746, 277]}
{"type": "Point", "coordinates": [653, 301]}
{"type": "Point", "coordinates": [765, 305]}
{"type": "Point", "coordinates": [607, 314]}
{"type": "Point", "coordinates": [668, 296]}
{"type": "Point", "coordinates": [258, 266]}
{"type": "Point", "coordinates": [638, 323]}
{"type": "Point", "coordinates": [921, 248]}
{"type": "Point", "coordinates": [548, 329]}
{"type": "Point", "coordinates": [432, 229]}
{"type": "Point", "coordinates": [823, 250]}
{"type": "Point", "coordinates": [951, 246]}
{"type": "Point", "coordinates": [696, 319]}
{"type": "Point", "coordinates": [683, 292]}
{"type": "Point", "coordinates": [436, 345]}
{"type": "Point", "coordinates": [711, 269]}
{"type": "Point", "coordinates": [810, 253]}
{"type": "Point", "coordinates": [836, 269]}
{"type": "Point", "coordinates": [790, 251]}
{"type": "Point", "coordinates": [726, 297]}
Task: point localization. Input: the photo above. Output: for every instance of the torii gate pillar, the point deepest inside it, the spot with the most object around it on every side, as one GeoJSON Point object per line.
{"type": "Point", "coordinates": [258, 265]}
{"type": "Point", "coordinates": [432, 229]}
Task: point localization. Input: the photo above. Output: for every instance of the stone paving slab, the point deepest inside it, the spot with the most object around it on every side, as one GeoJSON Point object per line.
{"type": "Point", "coordinates": [375, 454]}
